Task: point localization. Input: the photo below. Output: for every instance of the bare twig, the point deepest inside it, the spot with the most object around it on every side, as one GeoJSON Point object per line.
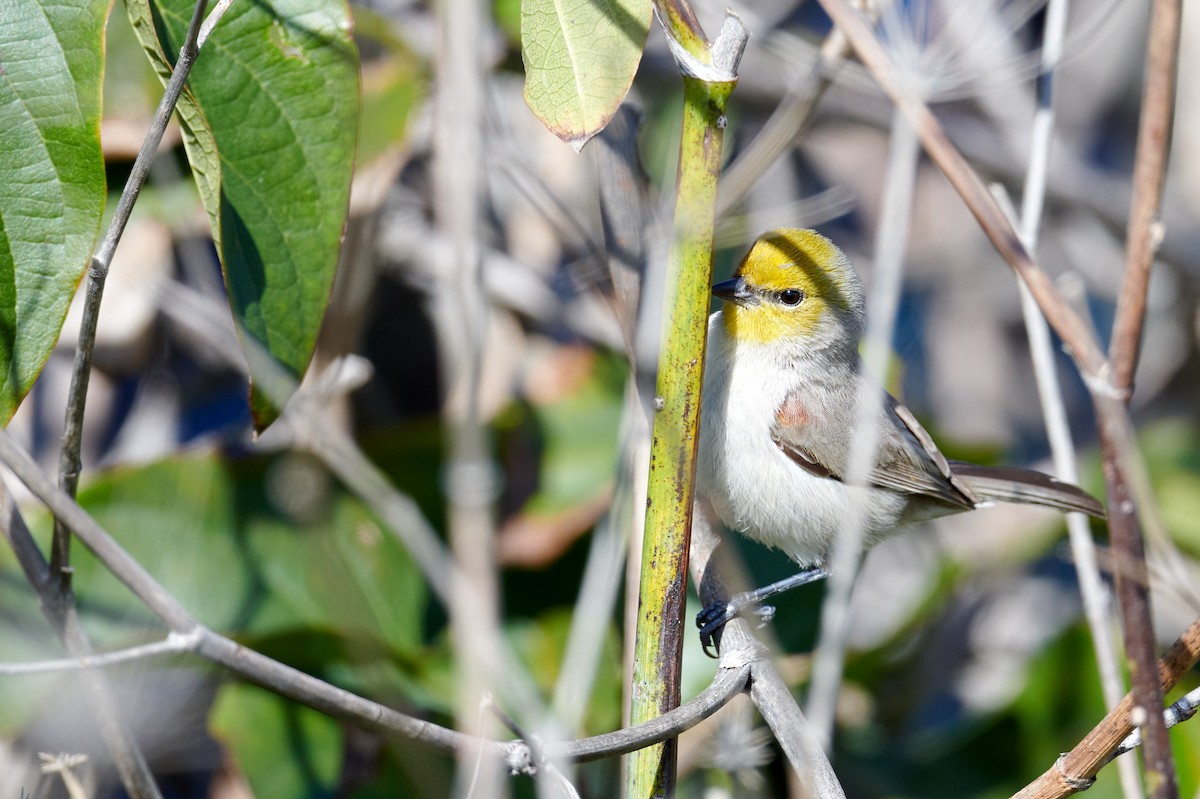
{"type": "Point", "coordinates": [1077, 770]}
{"type": "Point", "coordinates": [1144, 233]}
{"type": "Point", "coordinates": [69, 466]}
{"type": "Point", "coordinates": [461, 316]}
{"type": "Point", "coordinates": [1177, 712]}
{"type": "Point", "coordinates": [127, 756]}
{"type": "Point", "coordinates": [1070, 327]}
{"type": "Point", "coordinates": [56, 591]}
{"type": "Point", "coordinates": [173, 644]}
{"type": "Point", "coordinates": [787, 122]}
{"type": "Point", "coordinates": [890, 247]}
{"type": "Point", "coordinates": [1108, 397]}
{"type": "Point", "coordinates": [1142, 239]}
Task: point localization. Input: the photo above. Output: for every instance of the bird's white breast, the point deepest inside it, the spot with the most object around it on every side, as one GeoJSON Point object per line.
{"type": "Point", "coordinates": [753, 486]}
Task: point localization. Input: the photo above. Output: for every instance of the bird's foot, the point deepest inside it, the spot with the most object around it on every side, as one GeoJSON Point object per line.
{"type": "Point", "coordinates": [718, 614]}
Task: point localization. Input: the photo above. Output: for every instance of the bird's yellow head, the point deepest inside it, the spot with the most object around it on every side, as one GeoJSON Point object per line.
{"type": "Point", "coordinates": [794, 285]}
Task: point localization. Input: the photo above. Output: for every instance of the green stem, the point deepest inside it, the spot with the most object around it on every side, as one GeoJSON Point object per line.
{"type": "Point", "coordinates": [660, 627]}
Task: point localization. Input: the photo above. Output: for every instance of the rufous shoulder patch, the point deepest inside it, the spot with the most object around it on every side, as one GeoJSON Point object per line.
{"type": "Point", "coordinates": [792, 413]}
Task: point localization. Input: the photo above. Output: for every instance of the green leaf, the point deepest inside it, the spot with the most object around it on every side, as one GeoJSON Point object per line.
{"type": "Point", "coordinates": [580, 58]}
{"type": "Point", "coordinates": [333, 567]}
{"type": "Point", "coordinates": [266, 546]}
{"type": "Point", "coordinates": [283, 748]}
{"type": "Point", "coordinates": [270, 121]}
{"type": "Point", "coordinates": [51, 176]}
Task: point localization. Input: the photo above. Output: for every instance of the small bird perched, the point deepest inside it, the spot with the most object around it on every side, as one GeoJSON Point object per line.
{"type": "Point", "coordinates": [779, 413]}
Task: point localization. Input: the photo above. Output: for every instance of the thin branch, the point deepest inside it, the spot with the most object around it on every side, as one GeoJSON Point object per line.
{"type": "Point", "coordinates": [890, 247]}
{"type": "Point", "coordinates": [1142, 239]}
{"type": "Point", "coordinates": [1144, 233]}
{"type": "Point", "coordinates": [1077, 770]}
{"type": "Point", "coordinates": [173, 644]}
{"type": "Point", "coordinates": [1097, 599]}
{"type": "Point", "coordinates": [460, 314]}
{"type": "Point", "coordinates": [1073, 330]}
{"type": "Point", "coordinates": [131, 763]}
{"type": "Point", "coordinates": [785, 124]}
{"type": "Point", "coordinates": [1108, 397]}
{"type": "Point", "coordinates": [796, 737]}
{"type": "Point", "coordinates": [69, 458]}
{"type": "Point", "coordinates": [1177, 712]}
{"type": "Point", "coordinates": [1129, 560]}
{"type": "Point", "coordinates": [127, 756]}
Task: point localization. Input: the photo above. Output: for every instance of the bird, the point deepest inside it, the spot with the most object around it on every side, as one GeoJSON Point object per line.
{"type": "Point", "coordinates": [779, 410]}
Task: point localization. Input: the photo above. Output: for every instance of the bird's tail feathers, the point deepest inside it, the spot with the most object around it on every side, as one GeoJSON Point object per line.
{"type": "Point", "coordinates": [1008, 484]}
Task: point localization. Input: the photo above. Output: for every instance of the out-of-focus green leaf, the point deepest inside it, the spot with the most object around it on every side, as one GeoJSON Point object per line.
{"type": "Point", "coordinates": [347, 574]}
{"type": "Point", "coordinates": [1172, 452]}
{"type": "Point", "coordinates": [580, 58]}
{"type": "Point", "coordinates": [392, 84]}
{"type": "Point", "coordinates": [270, 123]}
{"type": "Point", "coordinates": [51, 176]}
{"type": "Point", "coordinates": [283, 748]}
{"type": "Point", "coordinates": [177, 518]}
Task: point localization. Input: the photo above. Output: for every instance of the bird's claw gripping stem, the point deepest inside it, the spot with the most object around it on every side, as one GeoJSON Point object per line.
{"type": "Point", "coordinates": [718, 614]}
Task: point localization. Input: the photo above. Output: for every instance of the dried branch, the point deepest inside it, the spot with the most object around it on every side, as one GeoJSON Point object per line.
{"type": "Point", "coordinates": [1077, 770]}
{"type": "Point", "coordinates": [1142, 239]}
{"type": "Point", "coordinates": [1073, 330]}
{"type": "Point", "coordinates": [1144, 233]}
{"type": "Point", "coordinates": [173, 644]}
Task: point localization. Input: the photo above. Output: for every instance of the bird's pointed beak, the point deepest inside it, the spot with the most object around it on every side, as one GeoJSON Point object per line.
{"type": "Point", "coordinates": [734, 290]}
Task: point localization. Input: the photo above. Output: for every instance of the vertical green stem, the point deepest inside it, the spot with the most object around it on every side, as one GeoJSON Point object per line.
{"type": "Point", "coordinates": [660, 626]}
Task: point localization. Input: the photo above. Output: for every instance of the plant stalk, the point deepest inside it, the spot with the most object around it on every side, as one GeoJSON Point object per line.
{"type": "Point", "coordinates": [658, 653]}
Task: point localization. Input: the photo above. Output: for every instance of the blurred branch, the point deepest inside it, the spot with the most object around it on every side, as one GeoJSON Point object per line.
{"type": "Point", "coordinates": [621, 182]}
{"type": "Point", "coordinates": [127, 756]}
{"type": "Point", "coordinates": [1077, 770]}
{"type": "Point", "coordinates": [1070, 327]}
{"type": "Point", "coordinates": [768, 691]}
{"type": "Point", "coordinates": [173, 644]}
{"type": "Point", "coordinates": [899, 186]}
{"type": "Point", "coordinates": [460, 315]}
{"type": "Point", "coordinates": [788, 121]}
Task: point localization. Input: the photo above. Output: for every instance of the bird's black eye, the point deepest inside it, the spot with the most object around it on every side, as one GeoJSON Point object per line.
{"type": "Point", "coordinates": [791, 296]}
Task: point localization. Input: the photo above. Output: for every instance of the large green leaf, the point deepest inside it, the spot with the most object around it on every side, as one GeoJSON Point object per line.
{"type": "Point", "coordinates": [51, 175]}
{"type": "Point", "coordinates": [270, 122]}
{"type": "Point", "coordinates": [580, 58]}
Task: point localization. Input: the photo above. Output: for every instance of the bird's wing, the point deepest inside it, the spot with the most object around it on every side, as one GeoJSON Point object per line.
{"type": "Point", "coordinates": [907, 460]}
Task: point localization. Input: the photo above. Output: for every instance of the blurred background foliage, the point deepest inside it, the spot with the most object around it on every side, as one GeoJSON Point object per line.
{"type": "Point", "coordinates": [971, 667]}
